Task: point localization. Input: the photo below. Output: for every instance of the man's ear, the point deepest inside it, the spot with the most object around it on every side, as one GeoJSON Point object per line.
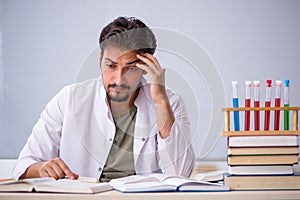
{"type": "Point", "coordinates": [100, 59]}
{"type": "Point", "coordinates": [100, 56]}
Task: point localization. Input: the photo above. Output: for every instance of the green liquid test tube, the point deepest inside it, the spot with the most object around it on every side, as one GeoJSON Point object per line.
{"type": "Point", "coordinates": [286, 118]}
{"type": "Point", "coordinates": [286, 104]}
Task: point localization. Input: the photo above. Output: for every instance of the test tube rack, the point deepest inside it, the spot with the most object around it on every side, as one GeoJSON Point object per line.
{"type": "Point", "coordinates": [227, 131]}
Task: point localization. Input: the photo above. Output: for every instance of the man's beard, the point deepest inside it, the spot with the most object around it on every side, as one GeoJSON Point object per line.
{"type": "Point", "coordinates": [116, 96]}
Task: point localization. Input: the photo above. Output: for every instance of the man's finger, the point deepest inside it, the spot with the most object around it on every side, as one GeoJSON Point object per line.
{"type": "Point", "coordinates": [153, 65]}
{"type": "Point", "coordinates": [152, 58]}
{"type": "Point", "coordinates": [146, 60]}
{"type": "Point", "coordinates": [43, 173]}
{"type": "Point", "coordinates": [51, 173]}
{"type": "Point", "coordinates": [146, 68]}
{"type": "Point", "coordinates": [66, 169]}
{"type": "Point", "coordinates": [58, 171]}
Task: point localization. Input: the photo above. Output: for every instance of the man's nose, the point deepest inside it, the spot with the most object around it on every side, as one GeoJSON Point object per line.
{"type": "Point", "coordinates": [119, 76]}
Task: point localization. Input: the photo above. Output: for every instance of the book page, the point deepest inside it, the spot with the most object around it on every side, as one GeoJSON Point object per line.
{"type": "Point", "coordinates": [163, 177]}
{"type": "Point", "coordinates": [25, 185]}
{"type": "Point", "coordinates": [133, 179]}
{"type": "Point", "coordinates": [37, 181]}
{"type": "Point", "coordinates": [178, 181]}
{"type": "Point", "coordinates": [145, 187]}
{"type": "Point", "coordinates": [72, 186]}
{"type": "Point", "coordinates": [29, 181]}
{"type": "Point", "coordinates": [210, 176]}
{"type": "Point", "coordinates": [187, 181]}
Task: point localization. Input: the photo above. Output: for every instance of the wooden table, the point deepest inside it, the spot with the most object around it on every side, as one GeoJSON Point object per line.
{"type": "Point", "coordinates": [114, 195]}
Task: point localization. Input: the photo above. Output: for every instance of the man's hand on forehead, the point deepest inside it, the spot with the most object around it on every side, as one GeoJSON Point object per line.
{"type": "Point", "coordinates": [157, 76]}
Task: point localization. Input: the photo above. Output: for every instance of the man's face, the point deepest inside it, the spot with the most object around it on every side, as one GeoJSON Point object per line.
{"type": "Point", "coordinates": [120, 75]}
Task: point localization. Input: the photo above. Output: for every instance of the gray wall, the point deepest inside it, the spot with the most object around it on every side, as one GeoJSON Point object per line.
{"type": "Point", "coordinates": [46, 44]}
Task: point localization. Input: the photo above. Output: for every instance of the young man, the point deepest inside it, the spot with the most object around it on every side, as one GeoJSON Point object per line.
{"type": "Point", "coordinates": [117, 125]}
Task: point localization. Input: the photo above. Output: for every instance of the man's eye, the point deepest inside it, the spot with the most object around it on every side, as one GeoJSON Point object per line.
{"type": "Point", "coordinates": [110, 66]}
{"type": "Point", "coordinates": [132, 69]}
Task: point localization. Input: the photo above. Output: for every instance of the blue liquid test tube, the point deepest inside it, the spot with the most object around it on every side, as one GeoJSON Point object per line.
{"type": "Point", "coordinates": [235, 101]}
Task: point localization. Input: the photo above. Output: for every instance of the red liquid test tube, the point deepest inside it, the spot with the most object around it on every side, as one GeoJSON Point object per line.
{"type": "Point", "coordinates": [256, 116]}
{"type": "Point", "coordinates": [267, 104]}
{"type": "Point", "coordinates": [256, 105]}
{"type": "Point", "coordinates": [277, 104]}
{"type": "Point", "coordinates": [247, 105]}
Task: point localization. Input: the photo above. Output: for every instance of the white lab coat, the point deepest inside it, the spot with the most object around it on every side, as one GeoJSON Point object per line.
{"type": "Point", "coordinates": [78, 127]}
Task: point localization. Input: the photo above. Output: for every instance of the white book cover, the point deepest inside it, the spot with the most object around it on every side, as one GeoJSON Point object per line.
{"type": "Point", "coordinates": [256, 141]}
{"type": "Point", "coordinates": [261, 170]}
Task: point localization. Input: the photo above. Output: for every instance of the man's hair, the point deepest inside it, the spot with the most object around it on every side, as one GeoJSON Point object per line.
{"type": "Point", "coordinates": [128, 33]}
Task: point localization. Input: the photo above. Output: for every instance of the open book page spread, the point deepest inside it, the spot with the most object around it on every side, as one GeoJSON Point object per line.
{"type": "Point", "coordinates": [24, 185]}
{"type": "Point", "coordinates": [160, 182]}
{"type": "Point", "coordinates": [52, 185]}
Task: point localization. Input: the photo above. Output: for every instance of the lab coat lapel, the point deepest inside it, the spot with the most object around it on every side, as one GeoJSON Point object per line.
{"type": "Point", "coordinates": [92, 122]}
{"type": "Point", "coordinates": [145, 130]}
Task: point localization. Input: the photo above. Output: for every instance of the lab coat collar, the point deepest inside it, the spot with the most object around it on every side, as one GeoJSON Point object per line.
{"type": "Point", "coordinates": [146, 114]}
{"type": "Point", "coordinates": [145, 126]}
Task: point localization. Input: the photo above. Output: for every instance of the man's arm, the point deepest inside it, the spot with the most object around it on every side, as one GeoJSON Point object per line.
{"type": "Point", "coordinates": [175, 153]}
{"type": "Point", "coordinates": [164, 113]}
{"type": "Point", "coordinates": [39, 156]}
{"type": "Point", "coordinates": [165, 118]}
{"type": "Point", "coordinates": [174, 144]}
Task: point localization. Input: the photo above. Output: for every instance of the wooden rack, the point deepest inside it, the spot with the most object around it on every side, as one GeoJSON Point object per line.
{"type": "Point", "coordinates": [294, 130]}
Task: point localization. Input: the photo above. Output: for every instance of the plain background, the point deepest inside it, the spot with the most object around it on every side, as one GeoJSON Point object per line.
{"type": "Point", "coordinates": [45, 43]}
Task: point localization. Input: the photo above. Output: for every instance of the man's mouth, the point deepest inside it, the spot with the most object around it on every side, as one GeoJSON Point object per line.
{"type": "Point", "coordinates": [118, 87]}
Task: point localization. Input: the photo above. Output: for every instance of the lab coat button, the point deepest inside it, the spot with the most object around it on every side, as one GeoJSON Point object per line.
{"type": "Point", "coordinates": [143, 139]}
{"type": "Point", "coordinates": [110, 139]}
{"type": "Point", "coordinates": [100, 169]}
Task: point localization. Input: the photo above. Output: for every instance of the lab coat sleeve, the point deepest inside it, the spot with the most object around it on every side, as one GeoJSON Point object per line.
{"type": "Point", "coordinates": [44, 141]}
{"type": "Point", "coordinates": [175, 153]}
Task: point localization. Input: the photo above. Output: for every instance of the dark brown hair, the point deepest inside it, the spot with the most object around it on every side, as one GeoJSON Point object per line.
{"type": "Point", "coordinates": [128, 33]}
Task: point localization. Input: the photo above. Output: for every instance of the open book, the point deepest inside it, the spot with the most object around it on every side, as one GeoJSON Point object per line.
{"type": "Point", "coordinates": [213, 176]}
{"type": "Point", "coordinates": [160, 182]}
{"type": "Point", "coordinates": [52, 185]}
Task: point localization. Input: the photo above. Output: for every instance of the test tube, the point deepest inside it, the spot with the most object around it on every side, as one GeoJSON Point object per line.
{"type": "Point", "coordinates": [268, 104]}
{"type": "Point", "coordinates": [256, 85]}
{"type": "Point", "coordinates": [247, 105]}
{"type": "Point", "coordinates": [286, 104]}
{"type": "Point", "coordinates": [277, 104]}
{"type": "Point", "coordinates": [235, 102]}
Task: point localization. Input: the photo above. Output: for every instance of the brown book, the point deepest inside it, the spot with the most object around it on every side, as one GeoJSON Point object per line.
{"type": "Point", "coordinates": [263, 160]}
{"type": "Point", "coordinates": [262, 150]}
{"type": "Point", "coordinates": [262, 182]}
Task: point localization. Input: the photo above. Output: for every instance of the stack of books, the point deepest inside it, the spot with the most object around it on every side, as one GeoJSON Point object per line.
{"type": "Point", "coordinates": [262, 162]}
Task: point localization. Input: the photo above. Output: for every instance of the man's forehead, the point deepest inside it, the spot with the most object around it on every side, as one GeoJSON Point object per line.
{"type": "Point", "coordinates": [115, 54]}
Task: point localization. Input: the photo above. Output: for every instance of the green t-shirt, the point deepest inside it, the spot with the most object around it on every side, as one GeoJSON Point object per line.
{"type": "Point", "coordinates": [120, 161]}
